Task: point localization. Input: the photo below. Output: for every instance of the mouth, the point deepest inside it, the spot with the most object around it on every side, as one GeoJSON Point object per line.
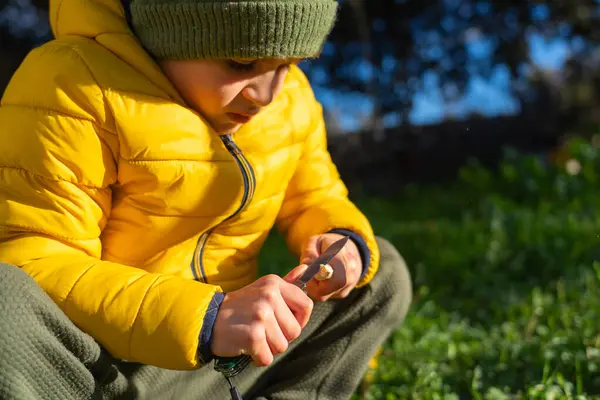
{"type": "Point", "coordinates": [240, 118]}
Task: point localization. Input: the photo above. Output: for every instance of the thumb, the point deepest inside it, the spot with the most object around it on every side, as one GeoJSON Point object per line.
{"type": "Point", "coordinates": [295, 273]}
{"type": "Point", "coordinates": [311, 249]}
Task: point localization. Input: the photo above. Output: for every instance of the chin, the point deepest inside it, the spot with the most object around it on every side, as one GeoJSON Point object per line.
{"type": "Point", "coordinates": [227, 129]}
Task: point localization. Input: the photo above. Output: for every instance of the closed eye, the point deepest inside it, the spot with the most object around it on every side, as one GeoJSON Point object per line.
{"type": "Point", "coordinates": [241, 66]}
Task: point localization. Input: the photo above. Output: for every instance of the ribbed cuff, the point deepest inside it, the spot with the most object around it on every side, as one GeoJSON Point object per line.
{"type": "Point", "coordinates": [363, 249]}
{"type": "Point", "coordinates": [204, 353]}
{"type": "Point", "coordinates": [233, 29]}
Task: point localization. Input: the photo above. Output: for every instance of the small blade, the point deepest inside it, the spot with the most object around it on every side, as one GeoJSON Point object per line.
{"type": "Point", "coordinates": [324, 258]}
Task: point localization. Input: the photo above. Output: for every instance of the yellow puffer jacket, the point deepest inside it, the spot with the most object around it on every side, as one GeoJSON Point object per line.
{"type": "Point", "coordinates": [124, 205]}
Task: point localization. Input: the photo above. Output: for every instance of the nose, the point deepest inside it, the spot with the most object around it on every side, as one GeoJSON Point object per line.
{"type": "Point", "coordinates": [262, 89]}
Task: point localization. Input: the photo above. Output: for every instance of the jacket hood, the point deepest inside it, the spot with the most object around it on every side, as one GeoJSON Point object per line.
{"type": "Point", "coordinates": [105, 22]}
{"type": "Point", "coordinates": [89, 18]}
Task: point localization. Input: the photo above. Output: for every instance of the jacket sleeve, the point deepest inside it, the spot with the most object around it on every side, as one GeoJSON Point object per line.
{"type": "Point", "coordinates": [57, 165]}
{"type": "Point", "coordinates": [316, 199]}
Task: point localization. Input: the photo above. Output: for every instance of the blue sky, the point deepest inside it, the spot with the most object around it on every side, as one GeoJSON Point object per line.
{"type": "Point", "coordinates": [487, 97]}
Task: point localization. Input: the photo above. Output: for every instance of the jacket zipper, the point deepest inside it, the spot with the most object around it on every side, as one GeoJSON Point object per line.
{"type": "Point", "coordinates": [249, 179]}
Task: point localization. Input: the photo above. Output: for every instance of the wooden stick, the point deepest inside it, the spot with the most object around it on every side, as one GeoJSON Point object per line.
{"type": "Point", "coordinates": [326, 272]}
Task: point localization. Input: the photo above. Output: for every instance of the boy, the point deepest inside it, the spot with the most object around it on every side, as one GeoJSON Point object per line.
{"type": "Point", "coordinates": [145, 154]}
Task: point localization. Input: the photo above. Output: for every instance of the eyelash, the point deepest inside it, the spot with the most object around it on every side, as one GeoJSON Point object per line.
{"type": "Point", "coordinates": [241, 67]}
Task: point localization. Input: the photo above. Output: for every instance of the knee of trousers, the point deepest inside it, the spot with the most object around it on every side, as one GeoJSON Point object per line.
{"type": "Point", "coordinates": [392, 283]}
{"type": "Point", "coordinates": [20, 298]}
{"type": "Point", "coordinates": [13, 280]}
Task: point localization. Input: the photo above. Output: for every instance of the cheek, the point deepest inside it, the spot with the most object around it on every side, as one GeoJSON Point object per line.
{"type": "Point", "coordinates": [207, 99]}
{"type": "Point", "coordinates": [227, 92]}
{"type": "Point", "coordinates": [204, 95]}
{"type": "Point", "coordinates": [211, 97]}
{"type": "Point", "coordinates": [203, 86]}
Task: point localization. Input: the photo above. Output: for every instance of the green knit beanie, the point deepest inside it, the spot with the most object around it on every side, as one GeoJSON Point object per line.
{"type": "Point", "coordinates": [212, 29]}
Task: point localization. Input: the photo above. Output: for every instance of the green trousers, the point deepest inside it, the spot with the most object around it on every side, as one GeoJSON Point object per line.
{"type": "Point", "coordinates": [43, 355]}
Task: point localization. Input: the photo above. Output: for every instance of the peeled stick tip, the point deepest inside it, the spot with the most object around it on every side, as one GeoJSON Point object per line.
{"type": "Point", "coordinates": [325, 272]}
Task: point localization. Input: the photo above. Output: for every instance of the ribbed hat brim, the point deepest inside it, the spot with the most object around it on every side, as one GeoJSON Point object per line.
{"type": "Point", "coordinates": [238, 29]}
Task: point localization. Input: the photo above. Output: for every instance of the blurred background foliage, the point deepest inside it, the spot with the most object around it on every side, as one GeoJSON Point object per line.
{"type": "Point", "coordinates": [385, 56]}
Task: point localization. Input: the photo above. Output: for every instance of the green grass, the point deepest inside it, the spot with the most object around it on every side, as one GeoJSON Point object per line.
{"type": "Point", "coordinates": [507, 283]}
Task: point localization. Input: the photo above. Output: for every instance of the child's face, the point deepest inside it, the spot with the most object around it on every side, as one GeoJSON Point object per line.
{"type": "Point", "coordinates": [228, 92]}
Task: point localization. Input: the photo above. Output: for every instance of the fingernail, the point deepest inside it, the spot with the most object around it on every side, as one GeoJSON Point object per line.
{"type": "Point", "coordinates": [295, 272]}
{"type": "Point", "coordinates": [289, 274]}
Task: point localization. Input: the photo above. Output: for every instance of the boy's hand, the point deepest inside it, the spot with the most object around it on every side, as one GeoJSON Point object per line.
{"type": "Point", "coordinates": [261, 319]}
{"type": "Point", "coordinates": [347, 267]}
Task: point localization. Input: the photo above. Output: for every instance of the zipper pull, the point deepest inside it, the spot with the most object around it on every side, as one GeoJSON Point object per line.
{"type": "Point", "coordinates": [230, 144]}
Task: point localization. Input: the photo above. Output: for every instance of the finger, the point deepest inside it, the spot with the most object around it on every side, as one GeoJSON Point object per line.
{"type": "Point", "coordinates": [274, 330]}
{"type": "Point", "coordinates": [311, 249]}
{"type": "Point", "coordinates": [260, 350]}
{"type": "Point", "coordinates": [297, 302]}
{"type": "Point", "coordinates": [286, 322]}
{"type": "Point", "coordinates": [295, 273]}
{"type": "Point", "coordinates": [342, 293]}
{"type": "Point", "coordinates": [317, 291]}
